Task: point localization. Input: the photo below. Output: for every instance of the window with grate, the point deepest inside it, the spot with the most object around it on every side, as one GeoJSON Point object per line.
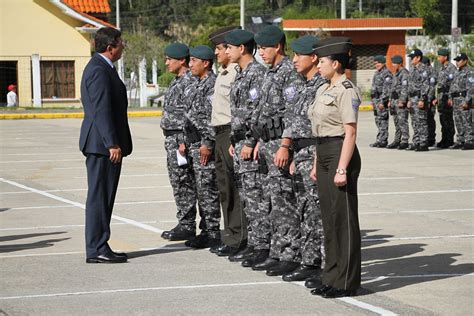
{"type": "Point", "coordinates": [57, 79]}
{"type": "Point", "coordinates": [364, 55]}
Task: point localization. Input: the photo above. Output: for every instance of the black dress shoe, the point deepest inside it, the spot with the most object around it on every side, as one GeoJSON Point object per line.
{"type": "Point", "coordinates": [321, 290]}
{"type": "Point", "coordinates": [393, 145]}
{"type": "Point", "coordinates": [412, 147]}
{"type": "Point", "coordinates": [374, 145]}
{"type": "Point", "coordinates": [216, 248]}
{"type": "Point", "coordinates": [245, 253]}
{"type": "Point", "coordinates": [457, 146]}
{"type": "Point", "coordinates": [422, 148]}
{"type": "Point", "coordinates": [120, 254]}
{"type": "Point", "coordinates": [259, 256]}
{"type": "Point", "coordinates": [227, 251]}
{"type": "Point", "coordinates": [334, 293]}
{"type": "Point", "coordinates": [203, 241]}
{"type": "Point", "coordinates": [282, 267]}
{"type": "Point", "coordinates": [468, 146]}
{"type": "Point", "coordinates": [313, 282]}
{"type": "Point", "coordinates": [179, 233]}
{"type": "Point", "coordinates": [301, 273]}
{"type": "Point", "coordinates": [107, 258]}
{"type": "Point", "coordinates": [265, 265]}
{"type": "Point", "coordinates": [403, 146]}
{"type": "Point", "coordinates": [382, 144]}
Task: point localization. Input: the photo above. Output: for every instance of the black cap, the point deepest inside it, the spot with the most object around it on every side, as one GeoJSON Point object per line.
{"type": "Point", "coordinates": [218, 36]}
{"type": "Point", "coordinates": [269, 36]}
{"type": "Point", "coordinates": [333, 46]}
{"type": "Point", "coordinates": [177, 51]}
{"type": "Point", "coordinates": [415, 52]}
{"type": "Point", "coordinates": [461, 56]}
{"type": "Point", "coordinates": [397, 59]}
{"type": "Point", "coordinates": [202, 52]}
{"type": "Point", "coordinates": [304, 45]}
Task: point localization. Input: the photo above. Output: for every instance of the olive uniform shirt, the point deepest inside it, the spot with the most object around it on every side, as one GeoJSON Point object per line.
{"type": "Point", "coordinates": [333, 107]}
{"type": "Point", "coordinates": [221, 100]}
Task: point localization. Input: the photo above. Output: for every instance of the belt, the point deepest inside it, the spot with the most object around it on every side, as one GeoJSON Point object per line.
{"type": "Point", "coordinates": [300, 143]}
{"type": "Point", "coordinates": [458, 94]}
{"type": "Point", "coordinates": [328, 139]}
{"type": "Point", "coordinates": [221, 128]}
{"type": "Point", "coordinates": [415, 94]}
{"type": "Point", "coordinates": [443, 90]}
{"type": "Point", "coordinates": [171, 132]}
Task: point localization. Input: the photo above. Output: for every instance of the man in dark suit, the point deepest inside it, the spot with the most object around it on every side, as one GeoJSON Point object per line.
{"type": "Point", "coordinates": [105, 138]}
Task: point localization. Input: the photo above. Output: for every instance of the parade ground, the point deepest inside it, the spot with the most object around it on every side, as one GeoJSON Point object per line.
{"type": "Point", "coordinates": [415, 208]}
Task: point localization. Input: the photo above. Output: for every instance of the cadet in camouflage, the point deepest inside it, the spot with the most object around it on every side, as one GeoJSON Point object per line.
{"type": "Point", "coordinates": [380, 93]}
{"type": "Point", "coordinates": [431, 97]}
{"type": "Point", "coordinates": [181, 177]}
{"type": "Point", "coordinates": [445, 77]}
{"type": "Point", "coordinates": [418, 91]}
{"type": "Point", "coordinates": [279, 89]}
{"type": "Point", "coordinates": [200, 140]}
{"type": "Point", "coordinates": [461, 92]}
{"type": "Point", "coordinates": [398, 104]}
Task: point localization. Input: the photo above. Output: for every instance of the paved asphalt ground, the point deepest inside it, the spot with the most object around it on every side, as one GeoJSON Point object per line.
{"type": "Point", "coordinates": [416, 215]}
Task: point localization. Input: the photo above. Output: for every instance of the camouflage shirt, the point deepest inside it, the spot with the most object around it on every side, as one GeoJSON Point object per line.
{"type": "Point", "coordinates": [433, 79]}
{"type": "Point", "coordinates": [445, 77]}
{"type": "Point", "coordinates": [419, 81]}
{"type": "Point", "coordinates": [199, 107]}
{"type": "Point", "coordinates": [279, 88]}
{"type": "Point", "coordinates": [174, 104]}
{"type": "Point", "coordinates": [245, 93]}
{"type": "Point", "coordinates": [381, 86]}
{"type": "Point", "coordinates": [463, 83]}
{"type": "Point", "coordinates": [297, 123]}
{"type": "Point", "coordinates": [400, 85]}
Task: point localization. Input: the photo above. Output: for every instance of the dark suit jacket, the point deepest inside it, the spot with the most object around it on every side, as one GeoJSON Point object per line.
{"type": "Point", "coordinates": [104, 98]}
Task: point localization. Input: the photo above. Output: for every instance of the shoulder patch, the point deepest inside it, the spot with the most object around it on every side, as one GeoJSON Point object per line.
{"type": "Point", "coordinates": [347, 84]}
{"type": "Point", "coordinates": [290, 93]}
{"type": "Point", "coordinates": [253, 94]}
{"type": "Point", "coordinates": [404, 82]}
{"type": "Point", "coordinates": [355, 104]}
{"type": "Point", "coordinates": [471, 79]}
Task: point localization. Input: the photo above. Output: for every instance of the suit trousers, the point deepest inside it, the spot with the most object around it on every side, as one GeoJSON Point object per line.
{"type": "Point", "coordinates": [235, 221]}
{"type": "Point", "coordinates": [339, 210]}
{"type": "Point", "coordinates": [102, 181]}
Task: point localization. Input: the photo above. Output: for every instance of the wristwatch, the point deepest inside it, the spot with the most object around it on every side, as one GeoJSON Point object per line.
{"type": "Point", "coordinates": [341, 171]}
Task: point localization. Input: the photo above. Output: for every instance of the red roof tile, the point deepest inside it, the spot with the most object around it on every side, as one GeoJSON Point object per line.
{"type": "Point", "coordinates": [354, 24]}
{"type": "Point", "coordinates": [89, 6]}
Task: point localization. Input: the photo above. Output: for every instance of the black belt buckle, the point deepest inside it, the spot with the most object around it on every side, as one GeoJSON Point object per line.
{"type": "Point", "coordinates": [221, 128]}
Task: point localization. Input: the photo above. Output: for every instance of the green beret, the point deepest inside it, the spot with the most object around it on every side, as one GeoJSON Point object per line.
{"type": "Point", "coordinates": [443, 52]}
{"type": "Point", "coordinates": [177, 51]}
{"type": "Point", "coordinates": [380, 59]}
{"type": "Point", "coordinates": [304, 45]}
{"type": "Point", "coordinates": [238, 37]}
{"type": "Point", "coordinates": [218, 36]}
{"type": "Point", "coordinates": [202, 52]}
{"type": "Point", "coordinates": [397, 59]}
{"type": "Point", "coordinates": [425, 60]}
{"type": "Point", "coordinates": [333, 46]}
{"type": "Point", "coordinates": [269, 36]}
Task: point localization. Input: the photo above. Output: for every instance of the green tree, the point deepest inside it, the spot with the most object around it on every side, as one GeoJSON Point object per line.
{"type": "Point", "coordinates": [428, 10]}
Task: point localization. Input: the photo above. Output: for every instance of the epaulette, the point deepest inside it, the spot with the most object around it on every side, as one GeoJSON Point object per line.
{"type": "Point", "coordinates": [347, 84]}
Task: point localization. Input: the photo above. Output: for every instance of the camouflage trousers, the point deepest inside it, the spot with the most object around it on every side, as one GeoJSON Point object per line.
{"type": "Point", "coordinates": [419, 121]}
{"type": "Point", "coordinates": [394, 114]}
{"type": "Point", "coordinates": [183, 183]}
{"type": "Point", "coordinates": [431, 112]}
{"type": "Point", "coordinates": [463, 120]}
{"type": "Point", "coordinates": [207, 193]}
{"type": "Point", "coordinates": [251, 197]}
{"type": "Point", "coordinates": [311, 241]}
{"type": "Point", "coordinates": [446, 119]}
{"type": "Point", "coordinates": [402, 115]}
{"type": "Point", "coordinates": [382, 125]}
{"type": "Point", "coordinates": [284, 218]}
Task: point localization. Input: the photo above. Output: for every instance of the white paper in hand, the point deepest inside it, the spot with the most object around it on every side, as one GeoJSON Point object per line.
{"type": "Point", "coordinates": [181, 159]}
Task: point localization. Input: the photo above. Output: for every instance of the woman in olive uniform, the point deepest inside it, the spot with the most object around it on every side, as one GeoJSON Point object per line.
{"type": "Point", "coordinates": [337, 164]}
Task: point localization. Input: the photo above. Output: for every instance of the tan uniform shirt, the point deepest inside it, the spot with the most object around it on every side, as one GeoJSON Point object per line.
{"type": "Point", "coordinates": [221, 99]}
{"type": "Point", "coordinates": [333, 107]}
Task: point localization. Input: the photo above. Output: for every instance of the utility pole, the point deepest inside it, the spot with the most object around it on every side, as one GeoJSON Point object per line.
{"type": "Point", "coordinates": [360, 6]}
{"type": "Point", "coordinates": [343, 9]}
{"type": "Point", "coordinates": [117, 22]}
{"type": "Point", "coordinates": [242, 14]}
{"type": "Point", "coordinates": [454, 24]}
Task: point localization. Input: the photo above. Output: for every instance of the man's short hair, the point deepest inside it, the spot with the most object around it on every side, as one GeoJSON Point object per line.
{"type": "Point", "coordinates": [104, 37]}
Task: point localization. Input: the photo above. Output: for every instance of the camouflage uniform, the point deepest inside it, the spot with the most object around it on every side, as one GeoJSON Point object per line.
{"type": "Point", "coordinates": [432, 110]}
{"type": "Point", "coordinates": [380, 93]}
{"type": "Point", "coordinates": [298, 128]}
{"type": "Point", "coordinates": [245, 94]}
{"type": "Point", "coordinates": [279, 87]}
{"type": "Point", "coordinates": [461, 91]}
{"type": "Point", "coordinates": [445, 77]}
{"type": "Point", "coordinates": [399, 93]}
{"type": "Point", "coordinates": [181, 177]}
{"type": "Point", "coordinates": [198, 115]}
{"type": "Point", "coordinates": [418, 90]}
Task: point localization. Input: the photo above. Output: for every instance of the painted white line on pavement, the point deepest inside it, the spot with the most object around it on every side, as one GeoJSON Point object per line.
{"type": "Point", "coordinates": [56, 160]}
{"type": "Point", "coordinates": [366, 306]}
{"type": "Point", "coordinates": [71, 226]}
{"type": "Point", "coordinates": [161, 288]}
{"type": "Point", "coordinates": [144, 202]}
{"type": "Point", "coordinates": [82, 206]}
{"type": "Point", "coordinates": [69, 153]}
{"type": "Point", "coordinates": [435, 275]}
{"type": "Point", "coordinates": [419, 211]}
{"type": "Point", "coordinates": [416, 192]}
{"type": "Point", "coordinates": [75, 190]}
{"type": "Point", "coordinates": [415, 238]}
{"type": "Point", "coordinates": [387, 178]}
{"type": "Point", "coordinates": [135, 175]}
{"type": "Point", "coordinates": [68, 205]}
